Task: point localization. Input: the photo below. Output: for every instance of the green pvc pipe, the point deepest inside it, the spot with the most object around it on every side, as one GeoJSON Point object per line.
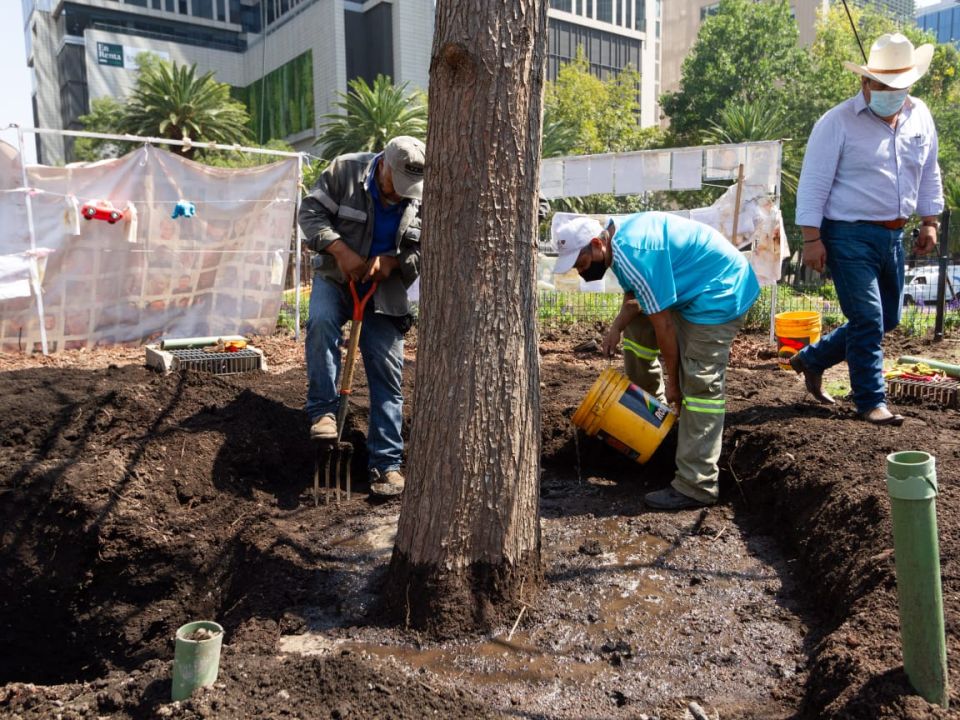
{"type": "Point", "coordinates": [196, 662]}
{"type": "Point", "coordinates": [912, 484]}
{"type": "Point", "coordinates": [197, 342]}
{"type": "Point", "coordinates": [948, 368]}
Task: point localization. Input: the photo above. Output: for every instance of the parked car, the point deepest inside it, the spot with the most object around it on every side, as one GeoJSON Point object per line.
{"type": "Point", "coordinates": [920, 284]}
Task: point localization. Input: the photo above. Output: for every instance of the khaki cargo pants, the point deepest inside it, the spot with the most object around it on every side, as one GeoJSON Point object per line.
{"type": "Point", "coordinates": [704, 353]}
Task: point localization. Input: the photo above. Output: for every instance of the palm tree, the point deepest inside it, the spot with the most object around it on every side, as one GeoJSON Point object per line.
{"type": "Point", "coordinates": [371, 116]}
{"type": "Point", "coordinates": [951, 193]}
{"type": "Point", "coordinates": [170, 101]}
{"type": "Point", "coordinates": [741, 121]}
{"type": "Point", "coordinates": [558, 136]}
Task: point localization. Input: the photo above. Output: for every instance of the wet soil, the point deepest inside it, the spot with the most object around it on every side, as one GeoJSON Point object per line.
{"type": "Point", "coordinates": [131, 503]}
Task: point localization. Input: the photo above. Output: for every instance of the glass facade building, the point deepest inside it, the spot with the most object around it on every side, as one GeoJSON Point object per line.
{"type": "Point", "coordinates": [287, 60]}
{"type": "Point", "coordinates": [942, 21]}
{"type": "Point", "coordinates": [613, 34]}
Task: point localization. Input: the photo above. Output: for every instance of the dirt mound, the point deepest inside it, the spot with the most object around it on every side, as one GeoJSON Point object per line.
{"type": "Point", "coordinates": [134, 502]}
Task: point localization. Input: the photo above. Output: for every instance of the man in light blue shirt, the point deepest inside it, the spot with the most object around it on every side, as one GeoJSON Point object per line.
{"type": "Point", "coordinates": [871, 163]}
{"type": "Point", "coordinates": [687, 290]}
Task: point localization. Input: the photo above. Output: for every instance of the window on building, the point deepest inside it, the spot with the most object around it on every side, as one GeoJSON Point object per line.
{"type": "Point", "coordinates": [605, 10]}
{"type": "Point", "coordinates": [564, 5]}
{"type": "Point", "coordinates": [640, 15]}
{"type": "Point", "coordinates": [203, 9]}
{"type": "Point", "coordinates": [708, 10]}
{"type": "Point", "coordinates": [588, 8]}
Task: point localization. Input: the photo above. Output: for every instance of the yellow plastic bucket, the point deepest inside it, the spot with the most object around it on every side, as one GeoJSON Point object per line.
{"type": "Point", "coordinates": [795, 330]}
{"type": "Point", "coordinates": [624, 416]}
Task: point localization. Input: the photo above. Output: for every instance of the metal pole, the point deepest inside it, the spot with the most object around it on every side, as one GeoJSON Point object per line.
{"type": "Point", "coordinates": [773, 288]}
{"type": "Point", "coordinates": [159, 141]}
{"type": "Point", "coordinates": [912, 484]}
{"type": "Point", "coordinates": [34, 271]}
{"type": "Point", "coordinates": [296, 225]}
{"type": "Point", "coordinates": [941, 287]}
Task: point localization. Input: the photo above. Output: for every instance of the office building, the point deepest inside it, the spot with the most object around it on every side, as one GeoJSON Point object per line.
{"type": "Point", "coordinates": [613, 35]}
{"type": "Point", "coordinates": [942, 20]}
{"type": "Point", "coordinates": [289, 59]}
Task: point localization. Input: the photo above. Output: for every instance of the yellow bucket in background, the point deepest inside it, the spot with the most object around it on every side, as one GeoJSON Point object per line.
{"type": "Point", "coordinates": [624, 416]}
{"type": "Point", "coordinates": [795, 330]}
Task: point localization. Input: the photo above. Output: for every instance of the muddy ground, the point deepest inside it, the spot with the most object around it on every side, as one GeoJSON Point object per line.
{"type": "Point", "coordinates": [131, 503]}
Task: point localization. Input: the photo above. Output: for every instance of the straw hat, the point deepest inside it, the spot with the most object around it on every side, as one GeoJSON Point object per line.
{"type": "Point", "coordinates": [894, 61]}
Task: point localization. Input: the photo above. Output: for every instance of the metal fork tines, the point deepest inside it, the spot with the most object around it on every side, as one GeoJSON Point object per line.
{"type": "Point", "coordinates": [333, 462]}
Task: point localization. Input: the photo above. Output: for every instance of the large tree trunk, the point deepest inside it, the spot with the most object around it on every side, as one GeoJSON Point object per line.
{"type": "Point", "coordinates": [468, 540]}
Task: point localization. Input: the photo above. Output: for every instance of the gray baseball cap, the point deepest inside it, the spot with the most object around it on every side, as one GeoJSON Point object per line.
{"type": "Point", "coordinates": [405, 155]}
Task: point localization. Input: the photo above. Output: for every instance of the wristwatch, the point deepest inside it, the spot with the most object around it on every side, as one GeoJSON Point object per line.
{"type": "Point", "coordinates": [931, 223]}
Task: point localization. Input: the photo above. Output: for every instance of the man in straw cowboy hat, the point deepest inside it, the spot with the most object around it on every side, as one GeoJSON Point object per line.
{"type": "Point", "coordinates": [871, 163]}
{"type": "Point", "coordinates": [687, 290]}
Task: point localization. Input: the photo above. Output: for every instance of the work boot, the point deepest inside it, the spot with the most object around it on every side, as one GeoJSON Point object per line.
{"type": "Point", "coordinates": [670, 499]}
{"type": "Point", "coordinates": [881, 415]}
{"type": "Point", "coordinates": [812, 380]}
{"type": "Point", "coordinates": [324, 428]}
{"type": "Point", "coordinates": [386, 484]}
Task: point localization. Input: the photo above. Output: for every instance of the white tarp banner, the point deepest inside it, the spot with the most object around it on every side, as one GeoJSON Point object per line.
{"type": "Point", "coordinates": [148, 275]}
{"type": "Point", "coordinates": [643, 171]}
{"type": "Point", "coordinates": [760, 232]}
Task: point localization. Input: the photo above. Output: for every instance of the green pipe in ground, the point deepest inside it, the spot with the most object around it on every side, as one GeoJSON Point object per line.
{"type": "Point", "coordinates": [196, 657]}
{"type": "Point", "coordinates": [949, 368]}
{"type": "Point", "coordinates": [912, 483]}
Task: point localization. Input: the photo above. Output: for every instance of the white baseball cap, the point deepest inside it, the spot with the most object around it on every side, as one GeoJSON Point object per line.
{"type": "Point", "coordinates": [571, 234]}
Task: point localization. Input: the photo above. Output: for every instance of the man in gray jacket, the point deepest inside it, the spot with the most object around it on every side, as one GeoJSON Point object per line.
{"type": "Point", "coordinates": [363, 221]}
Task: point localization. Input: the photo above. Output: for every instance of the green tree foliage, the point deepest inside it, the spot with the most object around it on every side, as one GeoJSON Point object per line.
{"type": "Point", "coordinates": [759, 120]}
{"type": "Point", "coordinates": [829, 83]}
{"type": "Point", "coordinates": [747, 52]}
{"type": "Point", "coordinates": [104, 117]}
{"type": "Point", "coordinates": [235, 159]}
{"type": "Point", "coordinates": [371, 116]}
{"type": "Point", "coordinates": [586, 115]}
{"type": "Point", "coordinates": [172, 101]}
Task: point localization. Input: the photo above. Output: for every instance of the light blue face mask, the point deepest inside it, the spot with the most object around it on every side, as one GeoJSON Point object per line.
{"type": "Point", "coordinates": [885, 103]}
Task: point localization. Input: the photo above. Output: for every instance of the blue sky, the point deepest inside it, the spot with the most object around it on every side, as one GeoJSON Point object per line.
{"type": "Point", "coordinates": [15, 96]}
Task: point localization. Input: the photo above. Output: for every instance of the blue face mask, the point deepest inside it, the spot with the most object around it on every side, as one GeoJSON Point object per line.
{"type": "Point", "coordinates": [885, 103]}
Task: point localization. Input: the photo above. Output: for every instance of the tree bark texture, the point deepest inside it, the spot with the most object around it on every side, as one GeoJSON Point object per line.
{"type": "Point", "coordinates": [468, 540]}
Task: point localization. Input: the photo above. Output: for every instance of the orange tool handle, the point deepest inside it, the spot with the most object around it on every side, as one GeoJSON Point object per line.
{"type": "Point", "coordinates": [346, 382]}
{"type": "Point", "coordinates": [360, 304]}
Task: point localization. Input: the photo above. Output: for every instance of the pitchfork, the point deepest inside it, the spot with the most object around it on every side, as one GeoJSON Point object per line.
{"type": "Point", "coordinates": [334, 457]}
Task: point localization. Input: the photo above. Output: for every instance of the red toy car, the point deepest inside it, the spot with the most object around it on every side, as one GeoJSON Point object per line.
{"type": "Point", "coordinates": [101, 210]}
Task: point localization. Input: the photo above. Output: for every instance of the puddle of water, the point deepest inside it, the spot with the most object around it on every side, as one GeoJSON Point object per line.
{"type": "Point", "coordinates": [566, 651]}
{"type": "Point", "coordinates": [377, 541]}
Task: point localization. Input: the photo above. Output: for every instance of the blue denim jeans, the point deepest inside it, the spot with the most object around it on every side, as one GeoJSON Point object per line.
{"type": "Point", "coordinates": [381, 346]}
{"type": "Point", "coordinates": [866, 262]}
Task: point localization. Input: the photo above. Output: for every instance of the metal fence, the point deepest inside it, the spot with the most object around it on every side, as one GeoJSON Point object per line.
{"type": "Point", "coordinates": [795, 292]}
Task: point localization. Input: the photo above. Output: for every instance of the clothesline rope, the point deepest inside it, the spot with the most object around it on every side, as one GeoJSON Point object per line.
{"type": "Point", "coordinates": [144, 201]}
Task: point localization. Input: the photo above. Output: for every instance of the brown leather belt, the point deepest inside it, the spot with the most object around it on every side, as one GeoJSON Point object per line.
{"type": "Point", "coordinates": [888, 224]}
